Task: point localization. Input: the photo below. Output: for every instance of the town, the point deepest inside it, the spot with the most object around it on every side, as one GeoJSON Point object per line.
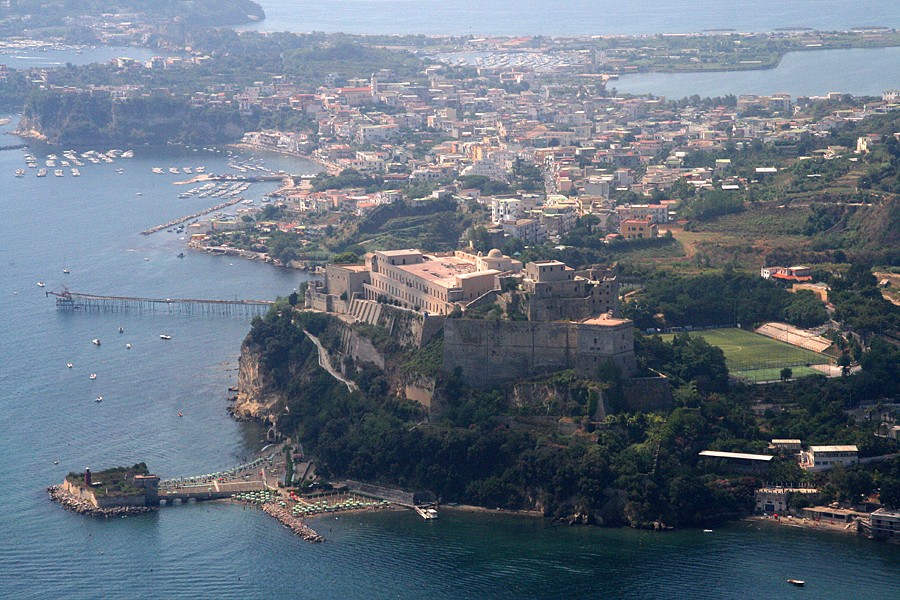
{"type": "Point", "coordinates": [612, 309]}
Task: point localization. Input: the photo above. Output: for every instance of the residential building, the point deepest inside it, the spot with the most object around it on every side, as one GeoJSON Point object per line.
{"type": "Point", "coordinates": [884, 524]}
{"type": "Point", "coordinates": [633, 229]}
{"type": "Point", "coordinates": [775, 499]}
{"type": "Point", "coordinates": [821, 458]}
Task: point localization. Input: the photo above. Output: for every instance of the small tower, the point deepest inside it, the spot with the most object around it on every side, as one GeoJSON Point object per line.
{"type": "Point", "coordinates": [87, 477]}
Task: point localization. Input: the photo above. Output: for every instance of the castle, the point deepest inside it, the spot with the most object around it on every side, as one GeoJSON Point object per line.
{"type": "Point", "coordinates": [553, 318]}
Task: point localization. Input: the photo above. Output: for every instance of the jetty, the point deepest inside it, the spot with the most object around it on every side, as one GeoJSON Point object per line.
{"type": "Point", "coordinates": [68, 300]}
{"type": "Point", "coordinates": [195, 215]}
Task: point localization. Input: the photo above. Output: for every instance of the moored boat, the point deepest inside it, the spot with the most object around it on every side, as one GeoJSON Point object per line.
{"type": "Point", "coordinates": [797, 582]}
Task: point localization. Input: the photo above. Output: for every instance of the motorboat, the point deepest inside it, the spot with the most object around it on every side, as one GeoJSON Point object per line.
{"type": "Point", "coordinates": [121, 329]}
{"type": "Point", "coordinates": [40, 284]}
{"type": "Point", "coordinates": [797, 582]}
{"type": "Point", "coordinates": [70, 365]}
{"type": "Point", "coordinates": [180, 255]}
{"type": "Point", "coordinates": [66, 271]}
{"type": "Point", "coordinates": [93, 376]}
{"type": "Point", "coordinates": [128, 346]}
{"type": "Point", "coordinates": [96, 341]}
{"type": "Point", "coordinates": [99, 399]}
{"type": "Point", "coordinates": [163, 336]}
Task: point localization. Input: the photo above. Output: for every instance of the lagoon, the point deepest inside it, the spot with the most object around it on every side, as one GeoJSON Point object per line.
{"type": "Point", "coordinates": [857, 71]}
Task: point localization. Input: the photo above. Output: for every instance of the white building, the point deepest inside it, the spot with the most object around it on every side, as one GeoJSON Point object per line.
{"type": "Point", "coordinates": [821, 458]}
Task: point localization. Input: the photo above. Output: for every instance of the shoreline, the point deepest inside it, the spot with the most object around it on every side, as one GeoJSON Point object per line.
{"type": "Point", "coordinates": [805, 523]}
{"type": "Point", "coordinates": [471, 508]}
{"type": "Point", "coordinates": [326, 166]}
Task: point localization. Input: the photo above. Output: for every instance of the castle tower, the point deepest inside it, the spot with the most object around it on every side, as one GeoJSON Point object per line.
{"type": "Point", "coordinates": [87, 477]}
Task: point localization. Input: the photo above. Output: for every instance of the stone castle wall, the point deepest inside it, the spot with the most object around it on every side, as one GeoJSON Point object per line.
{"type": "Point", "coordinates": [103, 501]}
{"type": "Point", "coordinates": [491, 352]}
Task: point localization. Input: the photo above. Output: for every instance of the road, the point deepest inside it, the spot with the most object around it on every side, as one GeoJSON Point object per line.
{"type": "Point", "coordinates": [325, 363]}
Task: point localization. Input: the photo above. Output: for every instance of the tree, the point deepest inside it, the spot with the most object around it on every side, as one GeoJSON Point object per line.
{"type": "Point", "coordinates": [786, 373]}
{"type": "Point", "coordinates": [889, 493]}
{"type": "Point", "coordinates": [844, 363]}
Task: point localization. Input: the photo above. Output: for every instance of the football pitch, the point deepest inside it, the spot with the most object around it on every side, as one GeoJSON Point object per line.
{"type": "Point", "coordinates": [756, 357]}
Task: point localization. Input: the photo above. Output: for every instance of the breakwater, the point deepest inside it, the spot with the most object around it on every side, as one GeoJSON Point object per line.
{"type": "Point", "coordinates": [195, 215]}
{"type": "Point", "coordinates": [58, 494]}
{"type": "Point", "coordinates": [283, 515]}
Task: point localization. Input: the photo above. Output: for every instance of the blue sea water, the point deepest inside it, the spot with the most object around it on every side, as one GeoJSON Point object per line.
{"type": "Point", "coordinates": [49, 59]}
{"type": "Point", "coordinates": [570, 17]}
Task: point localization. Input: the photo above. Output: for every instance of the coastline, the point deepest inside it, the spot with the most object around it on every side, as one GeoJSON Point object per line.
{"type": "Point", "coordinates": [471, 508]}
{"type": "Point", "coordinates": [326, 166]}
{"type": "Point", "coordinates": [805, 523]}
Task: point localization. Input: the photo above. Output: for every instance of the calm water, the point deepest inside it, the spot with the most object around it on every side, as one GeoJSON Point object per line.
{"type": "Point", "coordinates": [859, 71]}
{"type": "Point", "coordinates": [26, 59]}
{"type": "Point", "coordinates": [47, 412]}
{"type": "Point", "coordinates": [570, 17]}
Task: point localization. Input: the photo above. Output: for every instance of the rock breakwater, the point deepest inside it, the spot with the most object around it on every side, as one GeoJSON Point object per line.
{"type": "Point", "coordinates": [293, 523]}
{"type": "Point", "coordinates": [83, 507]}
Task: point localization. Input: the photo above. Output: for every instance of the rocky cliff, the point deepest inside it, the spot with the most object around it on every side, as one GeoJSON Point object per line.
{"type": "Point", "coordinates": [258, 397]}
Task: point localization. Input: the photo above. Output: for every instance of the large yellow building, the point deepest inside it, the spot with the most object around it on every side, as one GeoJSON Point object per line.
{"type": "Point", "coordinates": [433, 283]}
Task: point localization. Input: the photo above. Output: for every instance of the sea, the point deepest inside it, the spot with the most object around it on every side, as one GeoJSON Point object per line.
{"type": "Point", "coordinates": [570, 17]}
{"type": "Point", "coordinates": [50, 424]}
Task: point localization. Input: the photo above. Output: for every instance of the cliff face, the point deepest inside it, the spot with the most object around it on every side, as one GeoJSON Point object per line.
{"type": "Point", "coordinates": [258, 397]}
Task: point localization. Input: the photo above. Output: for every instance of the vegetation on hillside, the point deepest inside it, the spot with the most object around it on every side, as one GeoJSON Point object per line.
{"type": "Point", "coordinates": [635, 469]}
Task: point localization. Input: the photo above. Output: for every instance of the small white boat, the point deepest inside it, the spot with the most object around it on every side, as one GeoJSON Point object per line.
{"type": "Point", "coordinates": [707, 531]}
{"type": "Point", "coordinates": [66, 271]}
{"type": "Point", "coordinates": [40, 284]}
{"type": "Point", "coordinates": [70, 365]}
{"type": "Point", "coordinates": [163, 336]}
{"type": "Point", "coordinates": [96, 341]}
{"type": "Point", "coordinates": [128, 346]}
{"type": "Point", "coordinates": [797, 582]}
{"type": "Point", "coordinates": [99, 399]}
{"type": "Point", "coordinates": [55, 462]}
{"type": "Point", "coordinates": [92, 376]}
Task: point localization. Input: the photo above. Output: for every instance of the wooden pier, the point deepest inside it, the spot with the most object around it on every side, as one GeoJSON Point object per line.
{"type": "Point", "coordinates": [67, 300]}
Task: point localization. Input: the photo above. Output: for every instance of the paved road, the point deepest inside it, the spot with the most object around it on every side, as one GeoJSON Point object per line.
{"type": "Point", "coordinates": [326, 364]}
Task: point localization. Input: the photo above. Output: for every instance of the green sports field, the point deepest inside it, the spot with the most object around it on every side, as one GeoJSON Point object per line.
{"type": "Point", "coordinates": [756, 357]}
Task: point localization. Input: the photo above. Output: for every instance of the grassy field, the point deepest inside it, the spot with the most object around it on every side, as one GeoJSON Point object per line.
{"type": "Point", "coordinates": [756, 357]}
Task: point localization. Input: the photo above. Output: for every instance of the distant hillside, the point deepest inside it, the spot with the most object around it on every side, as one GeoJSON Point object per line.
{"type": "Point", "coordinates": [79, 119]}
